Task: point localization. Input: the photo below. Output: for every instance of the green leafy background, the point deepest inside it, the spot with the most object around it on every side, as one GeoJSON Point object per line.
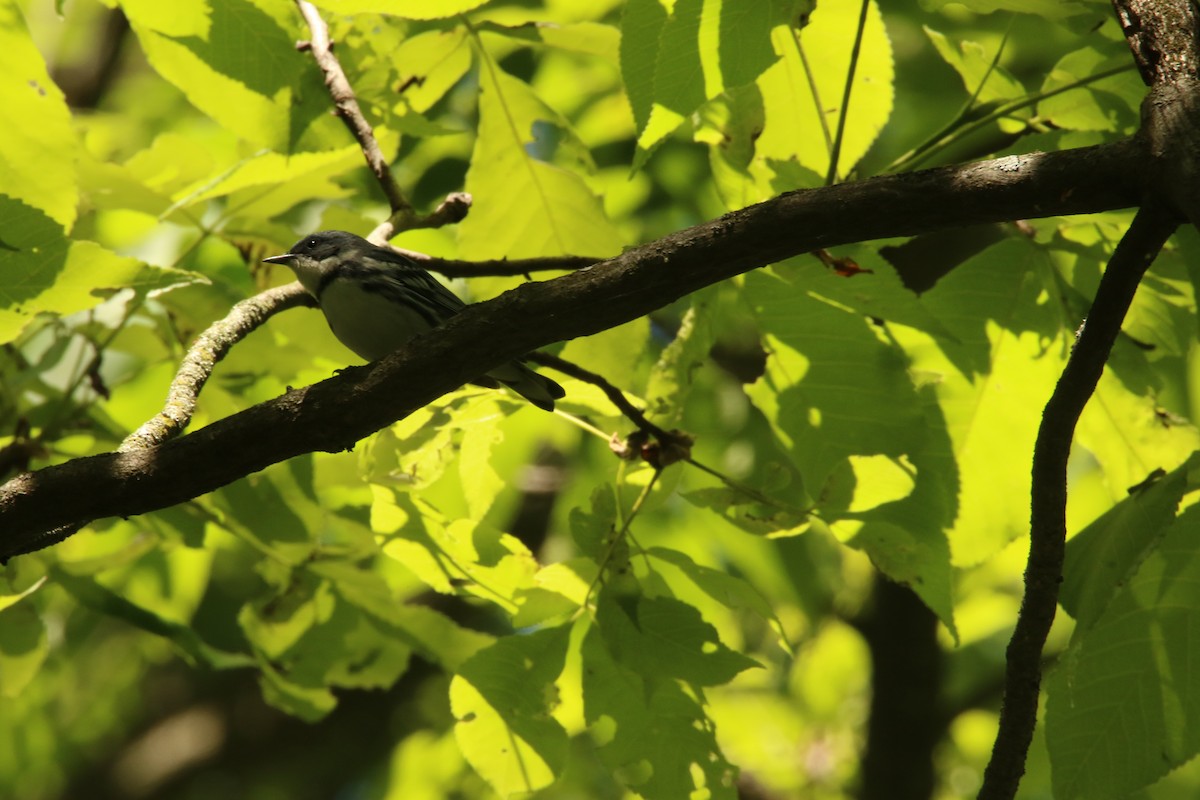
{"type": "Point", "coordinates": [481, 600]}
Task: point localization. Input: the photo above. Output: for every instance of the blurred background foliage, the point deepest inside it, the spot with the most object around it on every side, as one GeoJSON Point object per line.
{"type": "Point", "coordinates": [384, 623]}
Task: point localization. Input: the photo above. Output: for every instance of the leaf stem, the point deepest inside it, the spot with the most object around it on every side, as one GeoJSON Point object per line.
{"type": "Point", "coordinates": [620, 534]}
{"type": "Point", "coordinates": [924, 152]}
{"type": "Point", "coordinates": [844, 111]}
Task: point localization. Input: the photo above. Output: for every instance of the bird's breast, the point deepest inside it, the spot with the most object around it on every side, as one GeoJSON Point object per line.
{"type": "Point", "coordinates": [370, 323]}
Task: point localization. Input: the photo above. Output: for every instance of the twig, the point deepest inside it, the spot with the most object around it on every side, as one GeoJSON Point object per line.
{"type": "Point", "coordinates": [618, 536]}
{"type": "Point", "coordinates": [403, 217]}
{"type": "Point", "coordinates": [208, 349]}
{"type": "Point", "coordinates": [831, 176]}
{"type": "Point", "coordinates": [347, 107]}
{"type": "Point", "coordinates": [615, 395]}
{"type": "Point", "coordinates": [453, 209]}
{"type": "Point", "coordinates": [503, 267]}
{"type": "Point", "coordinates": [1048, 523]}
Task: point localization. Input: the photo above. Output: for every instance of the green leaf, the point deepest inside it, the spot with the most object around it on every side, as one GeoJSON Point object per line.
{"type": "Point", "coordinates": [1110, 104]}
{"type": "Point", "coordinates": [1051, 9]}
{"type": "Point", "coordinates": [21, 577]}
{"type": "Point", "coordinates": [642, 23]}
{"type": "Point", "coordinates": [591, 38]}
{"type": "Point", "coordinates": [671, 378]}
{"type": "Point", "coordinates": [266, 184]}
{"type": "Point", "coordinates": [411, 9]}
{"type": "Point", "coordinates": [990, 382]}
{"type": "Point", "coordinates": [652, 734]}
{"type": "Point", "coordinates": [661, 637]}
{"type": "Point", "coordinates": [832, 388]}
{"type": "Point", "coordinates": [524, 205]}
{"type": "Point", "coordinates": [45, 272]}
{"type": "Point", "coordinates": [502, 700]}
{"type": "Point", "coordinates": [983, 79]}
{"type": "Point", "coordinates": [105, 601]}
{"type": "Point", "coordinates": [413, 453]}
{"type": "Point", "coordinates": [1103, 556]}
{"type": "Point", "coordinates": [758, 512]}
{"type": "Point", "coordinates": [799, 127]}
{"type": "Point", "coordinates": [730, 124]}
{"type": "Point", "coordinates": [243, 70]}
{"type": "Point", "coordinates": [436, 636]}
{"type": "Point", "coordinates": [347, 648]}
{"type": "Point", "coordinates": [23, 648]}
{"type": "Point", "coordinates": [728, 590]}
{"type": "Point", "coordinates": [1124, 706]}
{"type": "Point", "coordinates": [308, 703]}
{"type": "Point", "coordinates": [275, 623]}
{"type": "Point", "coordinates": [481, 432]}
{"type": "Point", "coordinates": [38, 160]}
{"type": "Point", "coordinates": [843, 401]}
{"type": "Point", "coordinates": [592, 529]}
{"type": "Point", "coordinates": [428, 66]}
{"type": "Point", "coordinates": [275, 511]}
{"type": "Point", "coordinates": [702, 49]}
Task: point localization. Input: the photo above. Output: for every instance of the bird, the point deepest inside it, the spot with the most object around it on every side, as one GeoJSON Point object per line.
{"type": "Point", "coordinates": [376, 299]}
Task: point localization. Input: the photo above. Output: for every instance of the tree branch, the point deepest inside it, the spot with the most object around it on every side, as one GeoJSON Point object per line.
{"type": "Point", "coordinates": [1163, 36]}
{"type": "Point", "coordinates": [403, 217]}
{"type": "Point", "coordinates": [455, 268]}
{"type": "Point", "coordinates": [202, 357]}
{"type": "Point", "coordinates": [347, 107]}
{"type": "Point", "coordinates": [535, 314]}
{"type": "Point", "coordinates": [1048, 522]}
{"type": "Point", "coordinates": [614, 394]}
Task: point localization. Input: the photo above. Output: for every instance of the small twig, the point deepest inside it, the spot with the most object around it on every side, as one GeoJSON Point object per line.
{"type": "Point", "coordinates": [615, 395]}
{"type": "Point", "coordinates": [812, 87]}
{"type": "Point", "coordinates": [208, 349]}
{"type": "Point", "coordinates": [669, 447]}
{"type": "Point", "coordinates": [453, 209]}
{"type": "Point", "coordinates": [347, 107]}
{"type": "Point", "coordinates": [749, 491]}
{"type": "Point", "coordinates": [677, 440]}
{"type": "Point", "coordinates": [618, 536]}
{"type": "Point", "coordinates": [914, 158]}
{"type": "Point", "coordinates": [503, 267]}
{"type": "Point", "coordinates": [831, 176]}
{"type": "Point", "coordinates": [1048, 522]}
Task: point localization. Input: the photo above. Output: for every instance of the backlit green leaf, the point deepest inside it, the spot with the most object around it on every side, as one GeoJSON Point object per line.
{"type": "Point", "coordinates": [502, 699]}
{"type": "Point", "coordinates": [38, 159]}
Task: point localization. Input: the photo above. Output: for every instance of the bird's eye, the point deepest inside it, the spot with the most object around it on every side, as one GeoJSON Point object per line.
{"type": "Point", "coordinates": [311, 243]}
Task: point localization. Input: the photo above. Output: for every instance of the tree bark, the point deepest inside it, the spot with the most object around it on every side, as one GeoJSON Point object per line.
{"type": "Point", "coordinates": [334, 414]}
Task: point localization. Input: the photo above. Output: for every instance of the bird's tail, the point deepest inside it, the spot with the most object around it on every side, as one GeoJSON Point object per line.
{"type": "Point", "coordinates": [537, 389]}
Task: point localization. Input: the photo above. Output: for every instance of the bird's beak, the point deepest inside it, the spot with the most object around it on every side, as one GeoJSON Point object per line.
{"type": "Point", "coordinates": [285, 259]}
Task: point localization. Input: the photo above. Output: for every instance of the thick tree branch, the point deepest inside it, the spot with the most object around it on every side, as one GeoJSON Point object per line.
{"type": "Point", "coordinates": [1164, 37]}
{"type": "Point", "coordinates": [535, 314]}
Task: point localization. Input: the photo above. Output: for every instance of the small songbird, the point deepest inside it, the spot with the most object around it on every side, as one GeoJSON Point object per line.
{"type": "Point", "coordinates": [375, 300]}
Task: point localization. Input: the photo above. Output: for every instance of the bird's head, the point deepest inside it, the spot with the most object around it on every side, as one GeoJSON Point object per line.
{"type": "Point", "coordinates": [318, 253]}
